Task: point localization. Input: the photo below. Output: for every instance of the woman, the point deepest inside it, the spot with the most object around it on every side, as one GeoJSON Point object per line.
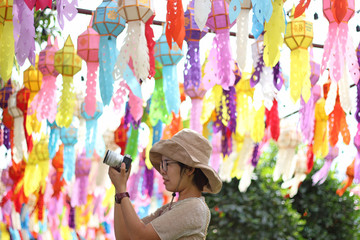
{"type": "Point", "coordinates": [183, 163]}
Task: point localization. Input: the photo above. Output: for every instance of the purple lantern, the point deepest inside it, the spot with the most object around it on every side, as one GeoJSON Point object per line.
{"type": "Point", "coordinates": [220, 69]}
{"type": "Point", "coordinates": [82, 170]}
{"type": "Point", "coordinates": [192, 72]}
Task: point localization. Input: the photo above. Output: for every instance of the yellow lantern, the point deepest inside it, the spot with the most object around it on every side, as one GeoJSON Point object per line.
{"type": "Point", "coordinates": [298, 37]}
{"type": "Point", "coordinates": [7, 41]}
{"type": "Point", "coordinates": [67, 63]}
{"type": "Point", "coordinates": [32, 81]}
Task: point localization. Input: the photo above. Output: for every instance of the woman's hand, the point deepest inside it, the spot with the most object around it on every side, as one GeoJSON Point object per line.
{"type": "Point", "coordinates": [119, 179]}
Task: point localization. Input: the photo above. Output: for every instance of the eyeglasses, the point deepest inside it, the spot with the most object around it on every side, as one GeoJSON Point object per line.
{"type": "Point", "coordinates": [164, 164]}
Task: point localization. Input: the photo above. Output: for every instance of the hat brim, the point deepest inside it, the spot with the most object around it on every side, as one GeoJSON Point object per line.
{"type": "Point", "coordinates": [176, 152]}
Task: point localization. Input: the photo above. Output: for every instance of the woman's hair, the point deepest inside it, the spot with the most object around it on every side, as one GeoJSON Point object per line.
{"type": "Point", "coordinates": [200, 180]}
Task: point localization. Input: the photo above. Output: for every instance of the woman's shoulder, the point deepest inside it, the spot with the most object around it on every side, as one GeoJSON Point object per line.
{"type": "Point", "coordinates": [193, 203]}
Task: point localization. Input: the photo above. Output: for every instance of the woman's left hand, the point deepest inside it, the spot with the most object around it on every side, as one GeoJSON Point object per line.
{"type": "Point", "coordinates": [119, 179]}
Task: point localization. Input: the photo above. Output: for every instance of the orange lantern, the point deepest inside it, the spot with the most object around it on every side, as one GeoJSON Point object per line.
{"type": "Point", "coordinates": [298, 37]}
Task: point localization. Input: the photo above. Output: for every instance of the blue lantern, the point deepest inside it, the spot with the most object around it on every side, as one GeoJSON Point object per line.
{"type": "Point", "coordinates": [109, 25]}
{"type": "Point", "coordinates": [169, 58]}
{"type": "Point", "coordinates": [69, 137]}
{"type": "Point", "coordinates": [53, 138]}
{"type": "Point", "coordinates": [91, 127]}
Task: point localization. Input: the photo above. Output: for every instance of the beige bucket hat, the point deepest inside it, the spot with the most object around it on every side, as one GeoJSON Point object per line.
{"type": "Point", "coordinates": [192, 149]}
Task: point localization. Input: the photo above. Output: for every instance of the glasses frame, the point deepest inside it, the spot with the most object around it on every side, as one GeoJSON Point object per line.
{"type": "Point", "coordinates": [165, 163]}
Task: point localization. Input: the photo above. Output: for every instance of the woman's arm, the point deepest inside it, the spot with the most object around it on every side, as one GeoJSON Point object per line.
{"type": "Point", "coordinates": [120, 229]}
{"type": "Point", "coordinates": [127, 224]}
{"type": "Point", "coordinates": [135, 227]}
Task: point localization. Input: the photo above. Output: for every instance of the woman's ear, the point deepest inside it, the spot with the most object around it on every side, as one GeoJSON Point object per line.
{"type": "Point", "coordinates": [190, 171]}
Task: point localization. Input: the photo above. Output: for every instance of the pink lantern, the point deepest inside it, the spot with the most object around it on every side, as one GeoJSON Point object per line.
{"type": "Point", "coordinates": [46, 104]}
{"type": "Point", "coordinates": [220, 69]}
{"type": "Point", "coordinates": [88, 49]}
{"type": "Point", "coordinates": [338, 47]}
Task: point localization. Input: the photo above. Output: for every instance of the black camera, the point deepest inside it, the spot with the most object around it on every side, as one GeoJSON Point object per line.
{"type": "Point", "coordinates": [115, 160]}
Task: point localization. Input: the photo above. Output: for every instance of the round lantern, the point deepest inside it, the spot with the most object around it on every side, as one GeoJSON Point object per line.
{"type": "Point", "coordinates": [192, 72]}
{"type": "Point", "coordinates": [220, 58]}
{"type": "Point", "coordinates": [5, 93]}
{"type": "Point", "coordinates": [108, 23]}
{"type": "Point", "coordinates": [169, 58]}
{"type": "Point", "coordinates": [67, 63]}
{"type": "Point", "coordinates": [69, 137]}
{"type": "Point", "coordinates": [88, 50]}
{"type": "Point", "coordinates": [298, 37]}
{"type": "Point", "coordinates": [7, 41]}
{"type": "Point", "coordinates": [91, 126]}
{"type": "Point", "coordinates": [136, 13]}
{"type": "Point", "coordinates": [46, 107]}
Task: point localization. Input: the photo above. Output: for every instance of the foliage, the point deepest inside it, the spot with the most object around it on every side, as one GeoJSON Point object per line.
{"type": "Point", "coordinates": [44, 22]}
{"type": "Point", "coordinates": [264, 211]}
{"type": "Point", "coordinates": [327, 215]}
{"type": "Point", "coordinates": [260, 213]}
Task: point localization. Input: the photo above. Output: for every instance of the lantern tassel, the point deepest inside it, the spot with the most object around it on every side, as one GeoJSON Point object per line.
{"type": "Point", "coordinates": [69, 162]}
{"type": "Point", "coordinates": [351, 58]}
{"type": "Point", "coordinates": [171, 89]}
{"type": "Point", "coordinates": [7, 50]}
{"type": "Point", "coordinates": [107, 58]}
{"type": "Point", "coordinates": [225, 61]}
{"type": "Point", "coordinates": [274, 32]}
{"type": "Point", "coordinates": [90, 98]}
{"type": "Point", "coordinates": [91, 130]}
{"type": "Point", "coordinates": [192, 73]}
{"type": "Point", "coordinates": [196, 106]}
{"type": "Point", "coordinates": [321, 140]}
{"type": "Point", "coordinates": [120, 97]}
{"type": "Point", "coordinates": [242, 37]}
{"type": "Point", "coordinates": [46, 108]}
{"type": "Point", "coordinates": [20, 148]}
{"type": "Point", "coordinates": [300, 74]}
{"type": "Point", "coordinates": [67, 103]}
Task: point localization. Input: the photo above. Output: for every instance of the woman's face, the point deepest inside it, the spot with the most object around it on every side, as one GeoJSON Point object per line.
{"type": "Point", "coordinates": [170, 172]}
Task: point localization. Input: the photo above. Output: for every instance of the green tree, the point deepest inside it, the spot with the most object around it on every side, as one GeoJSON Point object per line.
{"type": "Point", "coordinates": [326, 215]}
{"type": "Point", "coordinates": [260, 213]}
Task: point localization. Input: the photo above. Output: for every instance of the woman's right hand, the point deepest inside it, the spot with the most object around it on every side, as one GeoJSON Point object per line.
{"type": "Point", "coordinates": [119, 179]}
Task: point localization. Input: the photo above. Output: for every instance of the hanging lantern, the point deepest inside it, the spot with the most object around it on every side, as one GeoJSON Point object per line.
{"type": "Point", "coordinates": [7, 41]}
{"type": "Point", "coordinates": [58, 164]}
{"type": "Point", "coordinates": [22, 99]}
{"type": "Point", "coordinates": [5, 93]}
{"type": "Point", "coordinates": [288, 140]}
{"type": "Point", "coordinates": [88, 50]}
{"type": "Point", "coordinates": [82, 170]}
{"type": "Point", "coordinates": [91, 127]}
{"type": "Point", "coordinates": [339, 55]}
{"type": "Point", "coordinates": [20, 147]}
{"type": "Point", "coordinates": [40, 4]}
{"type": "Point", "coordinates": [298, 37]}
{"type": "Point", "coordinates": [67, 63]}
{"type": "Point", "coordinates": [321, 138]}
{"type": "Point", "coordinates": [136, 13]}
{"type": "Point", "coordinates": [175, 31]}
{"type": "Point", "coordinates": [268, 87]}
{"type": "Point", "coordinates": [24, 33]}
{"type": "Point", "coordinates": [109, 140]}
{"type": "Point", "coordinates": [169, 58]}
{"type": "Point", "coordinates": [274, 30]}
{"type": "Point", "coordinates": [53, 138]}
{"type": "Point", "coordinates": [315, 69]}
{"type": "Point", "coordinates": [338, 47]}
{"type": "Point", "coordinates": [69, 137]}
{"type": "Point", "coordinates": [32, 81]}
{"type": "Point", "coordinates": [220, 66]}
{"type": "Point", "coordinates": [46, 108]}
{"type": "Point", "coordinates": [242, 33]}
{"type": "Point", "coordinates": [109, 25]}
{"type": "Point", "coordinates": [120, 136]}
{"type": "Point", "coordinates": [8, 122]}
{"type": "Point", "coordinates": [320, 176]}
{"type": "Point", "coordinates": [192, 72]}
{"type": "Point", "coordinates": [42, 154]}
